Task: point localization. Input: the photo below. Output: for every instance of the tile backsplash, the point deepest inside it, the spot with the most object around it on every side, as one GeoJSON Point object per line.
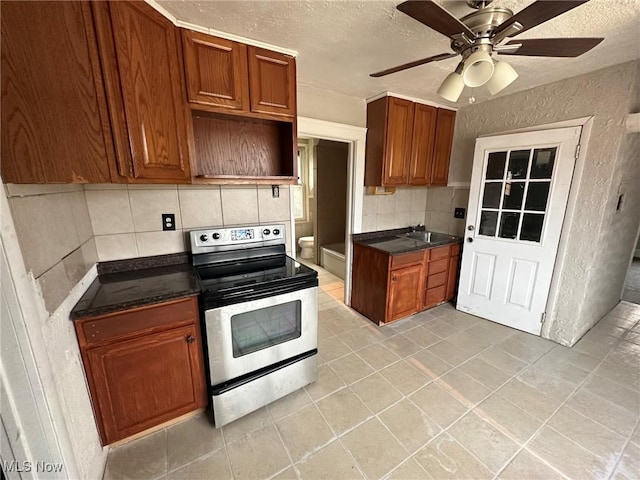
{"type": "Point", "coordinates": [429, 206]}
{"type": "Point", "coordinates": [127, 220]}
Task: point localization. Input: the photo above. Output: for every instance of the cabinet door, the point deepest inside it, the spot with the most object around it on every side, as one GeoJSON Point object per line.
{"type": "Point", "coordinates": [142, 382]}
{"type": "Point", "coordinates": [147, 92]}
{"type": "Point", "coordinates": [272, 82]}
{"type": "Point", "coordinates": [452, 277]}
{"type": "Point", "coordinates": [424, 134]}
{"type": "Point", "coordinates": [405, 292]}
{"type": "Point", "coordinates": [397, 153]}
{"type": "Point", "coordinates": [442, 150]}
{"type": "Point", "coordinates": [55, 126]}
{"type": "Point", "coordinates": [216, 71]}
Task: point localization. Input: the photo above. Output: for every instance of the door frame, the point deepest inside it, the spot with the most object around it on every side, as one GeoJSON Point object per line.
{"type": "Point", "coordinates": [355, 137]}
{"type": "Point", "coordinates": [572, 203]}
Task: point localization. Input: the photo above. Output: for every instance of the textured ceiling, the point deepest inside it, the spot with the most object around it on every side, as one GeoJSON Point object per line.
{"type": "Point", "coordinates": [340, 42]}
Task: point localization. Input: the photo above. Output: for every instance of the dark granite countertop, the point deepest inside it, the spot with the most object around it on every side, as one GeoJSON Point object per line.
{"type": "Point", "coordinates": [396, 241]}
{"type": "Point", "coordinates": [126, 284]}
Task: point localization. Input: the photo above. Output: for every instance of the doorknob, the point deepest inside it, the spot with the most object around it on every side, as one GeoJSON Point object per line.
{"type": "Point", "coordinates": [471, 228]}
{"type": "Point", "coordinates": [470, 240]}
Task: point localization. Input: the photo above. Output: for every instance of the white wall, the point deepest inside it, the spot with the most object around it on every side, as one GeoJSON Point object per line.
{"type": "Point", "coordinates": [599, 238]}
{"type": "Point", "coordinates": [321, 104]}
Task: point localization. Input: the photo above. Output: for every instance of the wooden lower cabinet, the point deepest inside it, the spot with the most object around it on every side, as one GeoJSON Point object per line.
{"type": "Point", "coordinates": [388, 287]}
{"type": "Point", "coordinates": [403, 285]}
{"type": "Point", "coordinates": [142, 377]}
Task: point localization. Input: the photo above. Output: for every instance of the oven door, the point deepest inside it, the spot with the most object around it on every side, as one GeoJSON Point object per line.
{"type": "Point", "coordinates": [246, 336]}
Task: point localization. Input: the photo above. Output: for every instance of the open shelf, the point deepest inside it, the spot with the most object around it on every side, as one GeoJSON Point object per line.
{"type": "Point", "coordinates": [237, 149]}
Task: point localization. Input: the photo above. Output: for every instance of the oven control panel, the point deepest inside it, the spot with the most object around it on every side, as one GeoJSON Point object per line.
{"type": "Point", "coordinates": [213, 239]}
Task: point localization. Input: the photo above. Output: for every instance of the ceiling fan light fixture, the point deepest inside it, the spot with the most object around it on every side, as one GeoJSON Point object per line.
{"type": "Point", "coordinates": [452, 86]}
{"type": "Point", "coordinates": [478, 69]}
{"type": "Point", "coordinates": [503, 76]}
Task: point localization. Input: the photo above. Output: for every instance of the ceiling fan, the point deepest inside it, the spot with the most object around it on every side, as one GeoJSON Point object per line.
{"type": "Point", "coordinates": [479, 34]}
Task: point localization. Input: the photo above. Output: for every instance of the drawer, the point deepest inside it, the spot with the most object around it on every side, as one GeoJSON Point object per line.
{"type": "Point", "coordinates": [440, 252]}
{"type": "Point", "coordinates": [435, 295]}
{"type": "Point", "coordinates": [407, 259]}
{"type": "Point", "coordinates": [140, 320]}
{"type": "Point", "coordinates": [438, 266]}
{"type": "Point", "coordinates": [455, 249]}
{"type": "Point", "coordinates": [435, 280]}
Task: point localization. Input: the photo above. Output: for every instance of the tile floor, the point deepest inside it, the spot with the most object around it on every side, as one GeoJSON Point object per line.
{"type": "Point", "coordinates": [439, 395]}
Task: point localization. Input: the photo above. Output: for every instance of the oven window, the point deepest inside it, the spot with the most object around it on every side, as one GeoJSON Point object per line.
{"type": "Point", "coordinates": [264, 328]}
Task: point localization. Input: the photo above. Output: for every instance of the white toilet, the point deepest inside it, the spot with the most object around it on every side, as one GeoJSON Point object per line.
{"type": "Point", "coordinates": [306, 247]}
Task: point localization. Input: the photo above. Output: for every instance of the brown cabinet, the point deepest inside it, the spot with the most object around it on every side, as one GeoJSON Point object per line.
{"type": "Point", "coordinates": [216, 71]}
{"type": "Point", "coordinates": [390, 287]}
{"type": "Point", "coordinates": [140, 51]}
{"type": "Point", "coordinates": [243, 107]}
{"type": "Point", "coordinates": [403, 284]}
{"type": "Point", "coordinates": [144, 366]}
{"type": "Point", "coordinates": [55, 126]}
{"type": "Point", "coordinates": [407, 143]}
{"type": "Point", "coordinates": [272, 79]}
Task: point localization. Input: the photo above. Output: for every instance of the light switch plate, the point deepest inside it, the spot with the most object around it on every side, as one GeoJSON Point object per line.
{"type": "Point", "coordinates": [459, 213]}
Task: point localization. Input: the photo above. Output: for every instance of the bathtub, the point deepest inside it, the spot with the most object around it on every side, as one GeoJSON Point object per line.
{"type": "Point", "coordinates": [333, 259]}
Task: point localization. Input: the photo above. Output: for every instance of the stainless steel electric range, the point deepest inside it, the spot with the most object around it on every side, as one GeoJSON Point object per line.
{"type": "Point", "coordinates": [260, 317]}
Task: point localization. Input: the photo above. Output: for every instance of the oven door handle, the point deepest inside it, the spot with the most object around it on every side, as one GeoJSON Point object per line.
{"type": "Point", "coordinates": [246, 294]}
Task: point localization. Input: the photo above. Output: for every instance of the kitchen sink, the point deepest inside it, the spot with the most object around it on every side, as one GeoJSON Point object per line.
{"type": "Point", "coordinates": [432, 238]}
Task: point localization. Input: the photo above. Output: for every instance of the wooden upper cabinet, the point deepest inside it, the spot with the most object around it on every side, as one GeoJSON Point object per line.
{"type": "Point", "coordinates": [424, 134]}
{"type": "Point", "coordinates": [407, 143]}
{"type": "Point", "coordinates": [442, 149]}
{"type": "Point", "coordinates": [140, 49]}
{"type": "Point", "coordinates": [55, 126]}
{"type": "Point", "coordinates": [216, 71]}
{"type": "Point", "coordinates": [272, 82]}
{"type": "Point", "coordinates": [398, 143]}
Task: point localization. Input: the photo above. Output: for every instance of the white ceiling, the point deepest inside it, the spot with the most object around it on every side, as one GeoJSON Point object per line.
{"type": "Point", "coordinates": [340, 43]}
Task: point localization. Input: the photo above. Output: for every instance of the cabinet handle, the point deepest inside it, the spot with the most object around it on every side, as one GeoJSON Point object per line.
{"type": "Point", "coordinates": [393, 278]}
{"type": "Point", "coordinates": [190, 339]}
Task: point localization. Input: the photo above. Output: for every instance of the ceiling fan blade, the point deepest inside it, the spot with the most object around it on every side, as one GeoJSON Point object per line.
{"type": "Point", "coordinates": [551, 47]}
{"type": "Point", "coordinates": [399, 68]}
{"type": "Point", "coordinates": [539, 12]}
{"type": "Point", "coordinates": [434, 16]}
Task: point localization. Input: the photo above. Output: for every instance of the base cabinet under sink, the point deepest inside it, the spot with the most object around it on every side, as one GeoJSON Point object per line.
{"type": "Point", "coordinates": [386, 287]}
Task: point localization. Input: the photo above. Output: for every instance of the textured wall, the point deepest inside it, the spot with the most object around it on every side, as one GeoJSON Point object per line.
{"type": "Point", "coordinates": [593, 265]}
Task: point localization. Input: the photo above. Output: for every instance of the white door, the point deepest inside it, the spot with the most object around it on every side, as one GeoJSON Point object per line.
{"type": "Point", "coordinates": [519, 190]}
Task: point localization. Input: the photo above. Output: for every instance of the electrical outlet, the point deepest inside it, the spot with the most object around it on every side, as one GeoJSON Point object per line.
{"type": "Point", "coordinates": [168, 221]}
{"type": "Point", "coordinates": [459, 213]}
{"type": "Point", "coordinates": [275, 191]}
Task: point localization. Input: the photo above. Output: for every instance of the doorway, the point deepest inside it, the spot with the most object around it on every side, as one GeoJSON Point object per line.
{"type": "Point", "coordinates": [320, 203]}
{"type": "Point", "coordinates": [519, 190]}
{"type": "Point", "coordinates": [354, 137]}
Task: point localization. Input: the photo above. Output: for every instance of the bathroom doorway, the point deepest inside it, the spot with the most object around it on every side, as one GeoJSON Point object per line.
{"type": "Point", "coordinates": [320, 204]}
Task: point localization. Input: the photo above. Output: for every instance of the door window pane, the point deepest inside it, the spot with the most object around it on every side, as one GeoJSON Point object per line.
{"type": "Point", "coordinates": [513, 194]}
{"type": "Point", "coordinates": [532, 227]}
{"type": "Point", "coordinates": [537, 196]}
{"type": "Point", "coordinates": [491, 197]}
{"type": "Point", "coordinates": [543, 159]}
{"type": "Point", "coordinates": [495, 165]}
{"type": "Point", "coordinates": [266, 327]}
{"type": "Point", "coordinates": [488, 223]}
{"type": "Point", "coordinates": [509, 225]}
{"type": "Point", "coordinates": [519, 163]}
